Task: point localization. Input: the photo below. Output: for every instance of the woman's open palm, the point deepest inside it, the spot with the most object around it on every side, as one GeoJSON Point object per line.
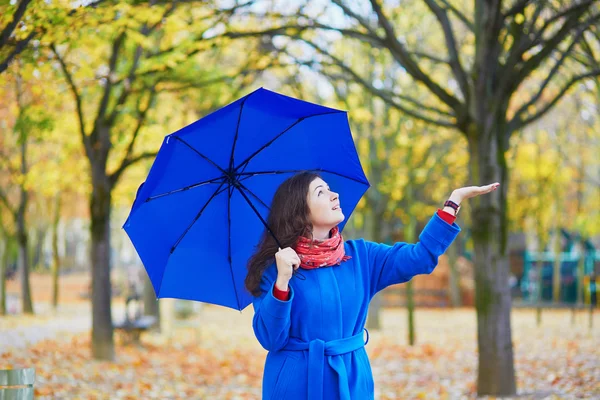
{"type": "Point", "coordinates": [471, 191]}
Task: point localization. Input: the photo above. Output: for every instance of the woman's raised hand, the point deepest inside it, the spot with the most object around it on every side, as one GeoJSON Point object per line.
{"type": "Point", "coordinates": [471, 191]}
{"type": "Point", "coordinates": [287, 261]}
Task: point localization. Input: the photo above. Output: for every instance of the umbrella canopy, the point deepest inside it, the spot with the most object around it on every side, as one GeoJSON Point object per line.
{"type": "Point", "coordinates": [199, 215]}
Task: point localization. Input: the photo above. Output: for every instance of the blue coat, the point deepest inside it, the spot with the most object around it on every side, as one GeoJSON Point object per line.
{"type": "Point", "coordinates": [316, 338]}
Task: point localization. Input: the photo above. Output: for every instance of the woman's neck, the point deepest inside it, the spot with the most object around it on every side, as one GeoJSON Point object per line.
{"type": "Point", "coordinates": [321, 233]}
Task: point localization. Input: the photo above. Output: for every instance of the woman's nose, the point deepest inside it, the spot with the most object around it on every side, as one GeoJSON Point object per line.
{"type": "Point", "coordinates": [334, 196]}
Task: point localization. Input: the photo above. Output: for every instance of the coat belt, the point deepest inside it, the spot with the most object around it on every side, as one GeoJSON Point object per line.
{"type": "Point", "coordinates": [317, 351]}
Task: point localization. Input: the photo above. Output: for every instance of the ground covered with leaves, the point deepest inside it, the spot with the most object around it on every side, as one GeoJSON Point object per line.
{"type": "Point", "coordinates": [222, 360]}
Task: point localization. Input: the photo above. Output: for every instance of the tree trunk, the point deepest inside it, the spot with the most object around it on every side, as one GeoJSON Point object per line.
{"type": "Point", "coordinates": [496, 374]}
{"type": "Point", "coordinates": [540, 280]}
{"type": "Point", "coordinates": [373, 320]}
{"type": "Point", "coordinates": [37, 247]}
{"type": "Point", "coordinates": [591, 315]}
{"type": "Point", "coordinates": [556, 275]}
{"type": "Point", "coordinates": [409, 237]}
{"type": "Point", "coordinates": [151, 304]}
{"type": "Point", "coordinates": [580, 275]}
{"type": "Point", "coordinates": [579, 285]}
{"type": "Point", "coordinates": [167, 309]}
{"type": "Point", "coordinates": [23, 259]}
{"type": "Point", "coordinates": [373, 223]}
{"type": "Point", "coordinates": [454, 278]}
{"type": "Point", "coordinates": [23, 267]}
{"type": "Point", "coordinates": [100, 209]}
{"type": "Point", "coordinates": [55, 256]}
{"type": "Point", "coordinates": [3, 268]}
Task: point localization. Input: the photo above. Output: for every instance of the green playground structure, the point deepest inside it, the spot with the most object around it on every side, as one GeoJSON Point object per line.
{"type": "Point", "coordinates": [579, 270]}
{"type": "Point", "coordinates": [579, 277]}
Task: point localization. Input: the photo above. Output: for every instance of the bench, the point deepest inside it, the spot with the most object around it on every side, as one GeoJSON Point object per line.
{"type": "Point", "coordinates": [132, 329]}
{"type": "Point", "coordinates": [395, 296]}
{"type": "Point", "coordinates": [550, 305]}
{"type": "Point", "coordinates": [17, 384]}
{"type": "Point", "coordinates": [134, 324]}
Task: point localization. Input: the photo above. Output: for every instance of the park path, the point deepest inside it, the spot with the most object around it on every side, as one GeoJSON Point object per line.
{"type": "Point", "coordinates": [17, 332]}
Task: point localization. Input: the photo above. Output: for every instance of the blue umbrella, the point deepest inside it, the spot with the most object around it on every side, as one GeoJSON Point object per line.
{"type": "Point", "coordinates": [200, 213]}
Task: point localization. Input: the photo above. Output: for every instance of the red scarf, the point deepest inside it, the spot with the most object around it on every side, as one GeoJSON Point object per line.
{"type": "Point", "coordinates": [321, 253]}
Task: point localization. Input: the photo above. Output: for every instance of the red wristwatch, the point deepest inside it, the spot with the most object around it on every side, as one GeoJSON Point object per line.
{"type": "Point", "coordinates": [453, 205]}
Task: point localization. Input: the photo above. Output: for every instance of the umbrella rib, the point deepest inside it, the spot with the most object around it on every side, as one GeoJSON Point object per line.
{"type": "Point", "coordinates": [251, 156]}
{"type": "Point", "coordinates": [255, 196]}
{"type": "Point", "coordinates": [229, 191]}
{"type": "Point", "coordinates": [195, 185]}
{"type": "Point", "coordinates": [237, 131]}
{"type": "Point", "coordinates": [216, 193]}
{"type": "Point", "coordinates": [200, 154]}
{"type": "Point", "coordinates": [288, 171]}
{"type": "Point", "coordinates": [258, 214]}
{"type": "Point", "coordinates": [296, 273]}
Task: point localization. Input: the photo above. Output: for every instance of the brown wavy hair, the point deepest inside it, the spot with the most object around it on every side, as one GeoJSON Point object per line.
{"type": "Point", "coordinates": [288, 219]}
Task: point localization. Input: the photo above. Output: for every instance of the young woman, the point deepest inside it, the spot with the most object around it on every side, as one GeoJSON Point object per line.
{"type": "Point", "coordinates": [313, 327]}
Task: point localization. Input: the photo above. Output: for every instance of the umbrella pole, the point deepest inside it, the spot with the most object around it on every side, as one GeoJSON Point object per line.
{"type": "Point", "coordinates": [296, 273]}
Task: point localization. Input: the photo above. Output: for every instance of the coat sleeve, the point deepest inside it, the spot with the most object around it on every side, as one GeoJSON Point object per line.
{"type": "Point", "coordinates": [271, 322]}
{"type": "Point", "coordinates": [390, 265]}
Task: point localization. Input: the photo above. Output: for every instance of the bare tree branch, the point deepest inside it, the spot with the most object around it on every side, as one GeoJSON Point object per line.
{"type": "Point", "coordinates": [126, 161]}
{"type": "Point", "coordinates": [4, 157]}
{"type": "Point", "coordinates": [401, 55]}
{"type": "Point", "coordinates": [10, 27]}
{"type": "Point", "coordinates": [364, 23]}
{"type": "Point", "coordinates": [511, 81]}
{"type": "Point", "coordinates": [131, 76]}
{"type": "Point", "coordinates": [167, 12]}
{"type": "Point", "coordinates": [114, 177]}
{"type": "Point", "coordinates": [589, 51]}
{"type": "Point", "coordinates": [387, 97]}
{"type": "Point", "coordinates": [522, 41]}
{"type": "Point", "coordinates": [576, 9]}
{"type": "Point", "coordinates": [112, 66]}
{"type": "Point", "coordinates": [469, 24]}
{"type": "Point", "coordinates": [549, 105]}
{"type": "Point", "coordinates": [430, 57]}
{"type": "Point", "coordinates": [550, 76]}
{"type": "Point", "coordinates": [198, 84]}
{"type": "Point", "coordinates": [127, 83]}
{"type": "Point", "coordinates": [232, 35]}
{"type": "Point", "coordinates": [364, 37]}
{"type": "Point", "coordinates": [220, 79]}
{"type": "Point", "coordinates": [569, 161]}
{"type": "Point", "coordinates": [140, 121]}
{"type": "Point", "coordinates": [550, 45]}
{"type": "Point", "coordinates": [19, 47]}
{"type": "Point", "coordinates": [78, 103]}
{"type": "Point", "coordinates": [584, 59]}
{"type": "Point", "coordinates": [455, 64]}
{"type": "Point", "coordinates": [4, 200]}
{"type": "Point", "coordinates": [294, 31]}
{"type": "Point", "coordinates": [517, 8]}
{"type": "Point", "coordinates": [221, 13]}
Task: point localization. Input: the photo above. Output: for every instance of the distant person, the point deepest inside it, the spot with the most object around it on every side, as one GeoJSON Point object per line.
{"type": "Point", "coordinates": [133, 295]}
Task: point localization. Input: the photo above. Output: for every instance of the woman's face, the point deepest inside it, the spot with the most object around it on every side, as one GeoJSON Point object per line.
{"type": "Point", "coordinates": [324, 205]}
